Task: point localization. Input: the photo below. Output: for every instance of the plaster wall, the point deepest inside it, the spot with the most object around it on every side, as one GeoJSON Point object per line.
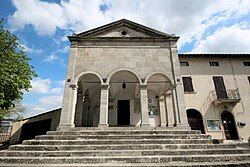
{"type": "Point", "coordinates": [234, 75]}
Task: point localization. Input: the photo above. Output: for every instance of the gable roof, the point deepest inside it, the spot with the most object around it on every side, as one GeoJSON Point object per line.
{"type": "Point", "coordinates": [126, 23]}
{"type": "Point", "coordinates": [214, 55]}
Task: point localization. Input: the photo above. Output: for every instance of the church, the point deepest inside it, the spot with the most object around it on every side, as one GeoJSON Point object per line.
{"type": "Point", "coordinates": [130, 98]}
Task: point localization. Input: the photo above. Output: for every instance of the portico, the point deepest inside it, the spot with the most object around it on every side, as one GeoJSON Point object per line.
{"type": "Point", "coordinates": [117, 79]}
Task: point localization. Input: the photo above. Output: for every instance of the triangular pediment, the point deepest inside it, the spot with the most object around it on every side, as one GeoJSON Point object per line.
{"type": "Point", "coordinates": [123, 28]}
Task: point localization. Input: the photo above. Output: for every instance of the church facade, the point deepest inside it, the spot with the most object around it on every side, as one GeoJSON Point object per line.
{"type": "Point", "coordinates": [126, 74]}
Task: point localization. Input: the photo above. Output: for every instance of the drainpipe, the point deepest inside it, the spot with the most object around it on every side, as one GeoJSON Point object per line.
{"type": "Point", "coordinates": [237, 87]}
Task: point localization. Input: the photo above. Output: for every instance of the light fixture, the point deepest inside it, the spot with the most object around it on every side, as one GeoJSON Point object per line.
{"type": "Point", "coordinates": [124, 85]}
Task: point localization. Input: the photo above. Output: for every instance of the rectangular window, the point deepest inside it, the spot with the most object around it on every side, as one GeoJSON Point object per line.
{"type": "Point", "coordinates": [188, 85]}
{"type": "Point", "coordinates": [214, 63]}
{"type": "Point", "coordinates": [248, 79]}
{"type": "Point", "coordinates": [246, 63]}
{"type": "Point", "coordinates": [184, 63]}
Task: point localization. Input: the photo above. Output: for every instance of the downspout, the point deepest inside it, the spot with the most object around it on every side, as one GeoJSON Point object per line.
{"type": "Point", "coordinates": [175, 91]}
{"type": "Point", "coordinates": [237, 87]}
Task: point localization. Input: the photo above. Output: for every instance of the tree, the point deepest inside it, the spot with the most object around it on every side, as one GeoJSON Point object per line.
{"type": "Point", "coordinates": [15, 71]}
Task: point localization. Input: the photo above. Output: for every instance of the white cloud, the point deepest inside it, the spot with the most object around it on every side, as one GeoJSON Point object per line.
{"type": "Point", "coordinates": [49, 96]}
{"type": "Point", "coordinates": [233, 39]}
{"type": "Point", "coordinates": [188, 19]}
{"type": "Point", "coordinates": [45, 17]}
{"type": "Point", "coordinates": [53, 58]}
{"type": "Point", "coordinates": [40, 85]}
{"type": "Point", "coordinates": [31, 50]}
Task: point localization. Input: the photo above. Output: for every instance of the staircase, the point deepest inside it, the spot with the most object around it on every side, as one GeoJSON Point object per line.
{"type": "Point", "coordinates": [124, 147]}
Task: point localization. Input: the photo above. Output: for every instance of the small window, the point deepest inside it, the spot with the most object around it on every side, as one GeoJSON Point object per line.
{"type": "Point", "coordinates": [248, 79]}
{"type": "Point", "coordinates": [246, 63]}
{"type": "Point", "coordinates": [188, 85]}
{"type": "Point", "coordinates": [184, 63]}
{"type": "Point", "coordinates": [123, 33]}
{"type": "Point", "coordinates": [214, 63]}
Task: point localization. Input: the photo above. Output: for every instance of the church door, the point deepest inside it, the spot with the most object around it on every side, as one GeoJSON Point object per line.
{"type": "Point", "coordinates": [123, 112]}
{"type": "Point", "coordinates": [229, 125]}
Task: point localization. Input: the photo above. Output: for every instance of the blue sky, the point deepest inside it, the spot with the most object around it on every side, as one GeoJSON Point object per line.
{"type": "Point", "coordinates": [204, 26]}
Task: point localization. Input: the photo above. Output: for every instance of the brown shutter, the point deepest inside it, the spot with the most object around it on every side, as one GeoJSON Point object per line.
{"type": "Point", "coordinates": [188, 85]}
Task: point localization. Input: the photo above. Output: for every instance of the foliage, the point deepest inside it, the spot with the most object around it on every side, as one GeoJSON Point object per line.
{"type": "Point", "coordinates": [15, 71]}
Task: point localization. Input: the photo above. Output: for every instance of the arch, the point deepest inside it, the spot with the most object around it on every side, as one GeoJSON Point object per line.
{"type": "Point", "coordinates": [229, 125]}
{"type": "Point", "coordinates": [195, 120]}
{"type": "Point", "coordinates": [126, 70]}
{"type": "Point", "coordinates": [76, 79]}
{"type": "Point", "coordinates": [157, 73]}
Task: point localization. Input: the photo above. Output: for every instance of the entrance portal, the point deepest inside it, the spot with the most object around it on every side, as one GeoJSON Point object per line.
{"type": "Point", "coordinates": [123, 112]}
{"type": "Point", "coordinates": [195, 120]}
{"type": "Point", "coordinates": [229, 125]}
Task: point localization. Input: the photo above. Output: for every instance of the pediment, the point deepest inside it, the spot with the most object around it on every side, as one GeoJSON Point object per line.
{"type": "Point", "coordinates": [123, 28]}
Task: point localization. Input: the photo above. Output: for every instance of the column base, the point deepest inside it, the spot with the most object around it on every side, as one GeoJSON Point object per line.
{"type": "Point", "coordinates": [183, 126]}
{"type": "Point", "coordinates": [63, 127]}
{"type": "Point", "coordinates": [163, 125]}
{"type": "Point", "coordinates": [145, 125]}
{"type": "Point", "coordinates": [103, 125]}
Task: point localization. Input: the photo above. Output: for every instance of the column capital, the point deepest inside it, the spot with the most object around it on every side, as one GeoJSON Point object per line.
{"type": "Point", "coordinates": [104, 86]}
{"type": "Point", "coordinates": [143, 86]}
{"type": "Point", "coordinates": [73, 86]}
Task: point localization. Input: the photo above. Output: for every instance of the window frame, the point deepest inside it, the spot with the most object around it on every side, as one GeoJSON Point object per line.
{"type": "Point", "coordinates": [188, 84]}
{"type": "Point", "coordinates": [184, 63]}
{"type": "Point", "coordinates": [246, 63]}
{"type": "Point", "coordinates": [214, 63]}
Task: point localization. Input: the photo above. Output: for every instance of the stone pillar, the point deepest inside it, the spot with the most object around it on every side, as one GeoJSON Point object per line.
{"type": "Point", "coordinates": [170, 110]}
{"type": "Point", "coordinates": [182, 115]}
{"type": "Point", "coordinates": [103, 119]}
{"type": "Point", "coordinates": [178, 93]}
{"type": "Point", "coordinates": [79, 110]}
{"type": "Point", "coordinates": [68, 107]}
{"type": "Point", "coordinates": [144, 106]}
{"type": "Point", "coordinates": [162, 111]}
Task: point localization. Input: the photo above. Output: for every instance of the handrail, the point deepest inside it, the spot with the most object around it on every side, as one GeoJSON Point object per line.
{"type": "Point", "coordinates": [229, 94]}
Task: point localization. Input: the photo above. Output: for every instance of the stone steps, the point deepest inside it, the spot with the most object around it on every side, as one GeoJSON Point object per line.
{"type": "Point", "coordinates": [94, 153]}
{"type": "Point", "coordinates": [121, 132]}
{"type": "Point", "coordinates": [118, 141]}
{"type": "Point", "coordinates": [114, 164]}
{"type": "Point", "coordinates": [124, 147]}
{"type": "Point", "coordinates": [144, 136]}
{"type": "Point", "coordinates": [127, 159]}
{"type": "Point", "coordinates": [120, 147]}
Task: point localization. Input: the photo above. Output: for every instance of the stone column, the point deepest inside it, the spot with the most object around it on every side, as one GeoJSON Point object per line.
{"type": "Point", "coordinates": [162, 111]}
{"type": "Point", "coordinates": [144, 106]}
{"type": "Point", "coordinates": [79, 110]}
{"type": "Point", "coordinates": [182, 115]}
{"type": "Point", "coordinates": [170, 110]}
{"type": "Point", "coordinates": [68, 107]}
{"type": "Point", "coordinates": [178, 93]}
{"type": "Point", "coordinates": [103, 120]}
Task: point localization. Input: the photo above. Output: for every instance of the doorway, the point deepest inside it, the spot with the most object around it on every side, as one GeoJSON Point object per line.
{"type": "Point", "coordinates": [195, 120]}
{"type": "Point", "coordinates": [123, 112]}
{"type": "Point", "coordinates": [220, 87]}
{"type": "Point", "coordinates": [229, 125]}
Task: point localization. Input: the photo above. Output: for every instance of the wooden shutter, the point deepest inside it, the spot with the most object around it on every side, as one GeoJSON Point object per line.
{"type": "Point", "coordinates": [188, 85]}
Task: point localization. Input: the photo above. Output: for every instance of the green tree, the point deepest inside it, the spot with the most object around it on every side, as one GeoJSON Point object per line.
{"type": "Point", "coordinates": [15, 71]}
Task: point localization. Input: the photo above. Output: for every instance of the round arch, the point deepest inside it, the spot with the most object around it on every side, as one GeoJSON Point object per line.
{"type": "Point", "coordinates": [195, 120]}
{"type": "Point", "coordinates": [157, 73]}
{"type": "Point", "coordinates": [112, 73]}
{"type": "Point", "coordinates": [76, 79]}
{"type": "Point", "coordinates": [229, 125]}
